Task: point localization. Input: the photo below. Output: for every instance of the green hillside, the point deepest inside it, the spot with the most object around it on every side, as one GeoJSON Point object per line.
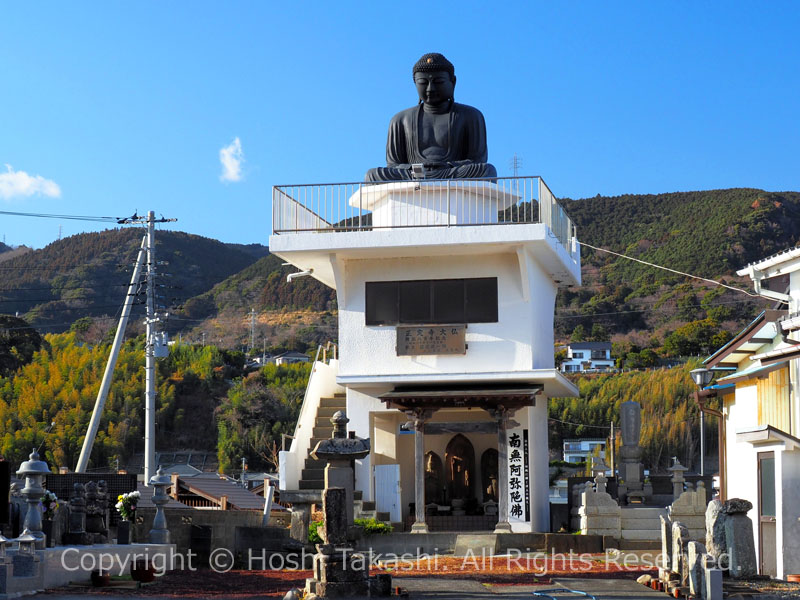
{"type": "Point", "coordinates": [710, 234]}
{"type": "Point", "coordinates": [88, 274]}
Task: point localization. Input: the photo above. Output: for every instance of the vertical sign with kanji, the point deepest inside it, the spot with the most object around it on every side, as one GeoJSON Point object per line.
{"type": "Point", "coordinates": [519, 477]}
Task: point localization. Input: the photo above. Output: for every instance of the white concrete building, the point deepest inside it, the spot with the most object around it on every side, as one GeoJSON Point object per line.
{"type": "Point", "coordinates": [761, 415]}
{"type": "Point", "coordinates": [579, 450]}
{"type": "Point", "coordinates": [446, 293]}
{"type": "Point", "coordinates": [588, 356]}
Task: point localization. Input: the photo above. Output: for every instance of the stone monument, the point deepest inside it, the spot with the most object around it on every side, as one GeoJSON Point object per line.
{"type": "Point", "coordinates": [96, 512]}
{"type": "Point", "coordinates": [340, 571]}
{"type": "Point", "coordinates": [632, 488]}
{"type": "Point", "coordinates": [438, 138]}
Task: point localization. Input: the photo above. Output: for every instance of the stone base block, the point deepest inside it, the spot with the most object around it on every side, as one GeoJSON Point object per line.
{"type": "Point", "coordinates": [598, 509]}
{"type": "Point", "coordinates": [327, 589]}
{"type": "Point", "coordinates": [640, 534]}
{"type": "Point", "coordinates": [380, 585]}
{"type": "Point", "coordinates": [691, 521]}
{"type": "Point", "coordinates": [597, 522]}
{"type": "Point", "coordinates": [418, 527]}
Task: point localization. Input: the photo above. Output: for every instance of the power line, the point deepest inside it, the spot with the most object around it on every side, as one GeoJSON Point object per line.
{"type": "Point", "coordinates": [649, 264]}
{"type": "Point", "coordinates": [70, 217]}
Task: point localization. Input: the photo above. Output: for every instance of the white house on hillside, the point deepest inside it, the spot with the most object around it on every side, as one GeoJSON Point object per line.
{"type": "Point", "coordinates": [446, 293]}
{"type": "Point", "coordinates": [587, 356]}
{"type": "Point", "coordinates": [761, 415]}
{"type": "Point", "coordinates": [579, 450]}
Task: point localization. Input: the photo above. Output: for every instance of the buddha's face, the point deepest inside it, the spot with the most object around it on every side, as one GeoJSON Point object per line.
{"type": "Point", "coordinates": [434, 88]}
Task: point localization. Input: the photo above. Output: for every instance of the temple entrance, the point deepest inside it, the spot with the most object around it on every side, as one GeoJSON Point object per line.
{"type": "Point", "coordinates": [460, 463]}
{"type": "Point", "coordinates": [489, 475]}
{"type": "Point", "coordinates": [434, 479]}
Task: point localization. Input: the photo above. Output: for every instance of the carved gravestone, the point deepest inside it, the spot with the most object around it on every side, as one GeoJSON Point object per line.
{"type": "Point", "coordinates": [715, 529]}
{"type": "Point", "coordinates": [334, 524]}
{"type": "Point", "coordinates": [695, 551]}
{"type": "Point", "coordinates": [680, 538]}
{"type": "Point", "coordinates": [739, 539]}
{"type": "Point", "coordinates": [666, 542]}
{"type": "Point", "coordinates": [96, 508]}
{"type": "Point", "coordinates": [76, 534]}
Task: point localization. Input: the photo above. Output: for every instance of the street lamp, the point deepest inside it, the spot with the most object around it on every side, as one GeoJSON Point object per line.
{"type": "Point", "coordinates": [702, 377]}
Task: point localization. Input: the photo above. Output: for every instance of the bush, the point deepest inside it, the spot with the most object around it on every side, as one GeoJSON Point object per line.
{"type": "Point", "coordinates": [369, 525]}
{"type": "Point", "coordinates": [373, 526]}
{"type": "Point", "coordinates": [313, 532]}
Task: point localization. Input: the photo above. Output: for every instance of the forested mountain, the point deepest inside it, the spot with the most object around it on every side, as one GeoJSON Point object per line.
{"type": "Point", "coordinates": [710, 234]}
{"type": "Point", "coordinates": [88, 274]}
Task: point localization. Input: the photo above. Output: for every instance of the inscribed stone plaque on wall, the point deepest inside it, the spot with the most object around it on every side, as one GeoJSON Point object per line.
{"type": "Point", "coordinates": [437, 339]}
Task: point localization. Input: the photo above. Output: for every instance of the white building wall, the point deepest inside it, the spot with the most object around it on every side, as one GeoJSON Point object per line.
{"type": "Point", "coordinates": [741, 460]}
{"type": "Point", "coordinates": [539, 464]}
{"type": "Point", "coordinates": [787, 480]}
{"type": "Point", "coordinates": [361, 405]}
{"type": "Point", "coordinates": [522, 338]}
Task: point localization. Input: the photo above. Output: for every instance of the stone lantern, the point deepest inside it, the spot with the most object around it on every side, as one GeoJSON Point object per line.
{"type": "Point", "coordinates": [159, 534]}
{"type": "Point", "coordinates": [677, 470]}
{"type": "Point", "coordinates": [340, 451]}
{"type": "Point", "coordinates": [34, 470]}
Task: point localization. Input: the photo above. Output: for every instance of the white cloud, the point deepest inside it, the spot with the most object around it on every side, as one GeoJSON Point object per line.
{"type": "Point", "coordinates": [14, 184]}
{"type": "Point", "coordinates": [231, 157]}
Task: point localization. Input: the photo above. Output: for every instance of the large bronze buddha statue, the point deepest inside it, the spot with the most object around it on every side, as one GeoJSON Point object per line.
{"type": "Point", "coordinates": [438, 138]}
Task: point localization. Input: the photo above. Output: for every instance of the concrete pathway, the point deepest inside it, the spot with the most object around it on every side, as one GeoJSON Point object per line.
{"type": "Point", "coordinates": [447, 589]}
{"type": "Point", "coordinates": [432, 588]}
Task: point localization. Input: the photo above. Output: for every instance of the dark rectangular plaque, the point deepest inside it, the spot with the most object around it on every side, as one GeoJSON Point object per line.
{"type": "Point", "coordinates": [431, 339]}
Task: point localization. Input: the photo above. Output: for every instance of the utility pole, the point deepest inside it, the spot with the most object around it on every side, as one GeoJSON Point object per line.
{"type": "Point", "coordinates": [613, 445]}
{"type": "Point", "coordinates": [150, 357]}
{"type": "Point", "coordinates": [146, 254]}
{"type": "Point", "coordinates": [702, 443]}
{"type": "Point", "coordinates": [102, 394]}
{"type": "Point", "coordinates": [252, 330]}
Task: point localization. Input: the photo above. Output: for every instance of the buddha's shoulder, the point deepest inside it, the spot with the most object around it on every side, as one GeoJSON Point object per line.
{"type": "Point", "coordinates": [467, 110]}
{"type": "Point", "coordinates": [406, 115]}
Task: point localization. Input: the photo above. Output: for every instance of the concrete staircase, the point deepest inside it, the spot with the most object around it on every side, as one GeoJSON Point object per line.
{"type": "Point", "coordinates": [365, 509]}
{"type": "Point", "coordinates": [313, 474]}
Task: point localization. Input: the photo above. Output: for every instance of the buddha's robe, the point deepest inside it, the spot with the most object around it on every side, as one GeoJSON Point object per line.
{"type": "Point", "coordinates": [465, 156]}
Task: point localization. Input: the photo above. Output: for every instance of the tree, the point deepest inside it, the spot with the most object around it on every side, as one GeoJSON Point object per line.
{"type": "Point", "coordinates": [18, 343]}
{"type": "Point", "coordinates": [578, 334]}
{"type": "Point", "coordinates": [599, 333]}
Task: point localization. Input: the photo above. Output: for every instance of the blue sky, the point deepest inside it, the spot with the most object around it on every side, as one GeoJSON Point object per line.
{"type": "Point", "coordinates": [111, 107]}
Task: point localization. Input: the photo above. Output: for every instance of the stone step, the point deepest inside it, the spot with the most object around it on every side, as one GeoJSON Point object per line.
{"type": "Point", "coordinates": [338, 403]}
{"type": "Point", "coordinates": [641, 534]}
{"type": "Point", "coordinates": [313, 473]}
{"type": "Point", "coordinates": [368, 505]}
{"type": "Point", "coordinates": [358, 495]}
{"type": "Point", "coordinates": [367, 514]}
{"type": "Point", "coordinates": [313, 463]}
{"type": "Point", "coordinates": [324, 432]}
{"type": "Point", "coordinates": [322, 422]}
{"type": "Point", "coordinates": [326, 412]}
{"type": "Point", "coordinates": [642, 513]}
{"type": "Point", "coordinates": [640, 545]}
{"type": "Point", "coordinates": [312, 484]}
{"type": "Point", "coordinates": [383, 516]}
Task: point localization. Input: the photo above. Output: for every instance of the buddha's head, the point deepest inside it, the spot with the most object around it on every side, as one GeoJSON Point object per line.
{"type": "Point", "coordinates": [435, 79]}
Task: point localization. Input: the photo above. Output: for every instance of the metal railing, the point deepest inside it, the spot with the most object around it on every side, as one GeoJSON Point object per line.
{"type": "Point", "coordinates": [365, 206]}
